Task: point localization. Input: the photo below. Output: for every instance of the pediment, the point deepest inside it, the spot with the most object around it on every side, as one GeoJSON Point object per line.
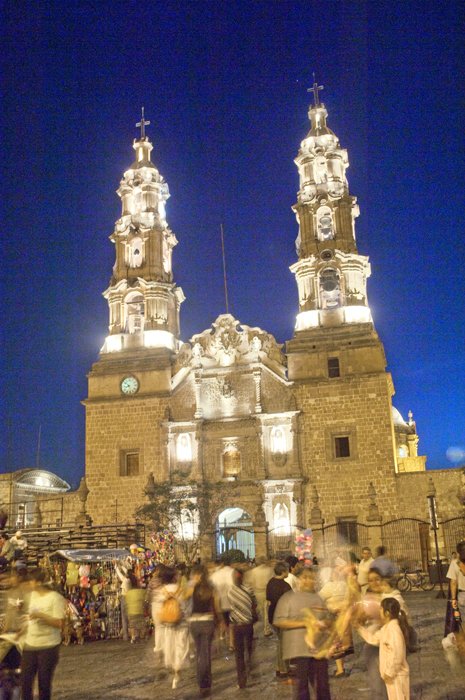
{"type": "Point", "coordinates": [228, 342]}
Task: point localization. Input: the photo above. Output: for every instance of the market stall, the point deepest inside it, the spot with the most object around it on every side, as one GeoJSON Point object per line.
{"type": "Point", "coordinates": [89, 581]}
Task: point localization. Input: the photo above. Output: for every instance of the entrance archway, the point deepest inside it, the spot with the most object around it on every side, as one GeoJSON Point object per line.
{"type": "Point", "coordinates": [234, 530]}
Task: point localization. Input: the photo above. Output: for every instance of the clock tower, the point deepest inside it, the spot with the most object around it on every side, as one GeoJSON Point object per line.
{"type": "Point", "coordinates": [129, 384]}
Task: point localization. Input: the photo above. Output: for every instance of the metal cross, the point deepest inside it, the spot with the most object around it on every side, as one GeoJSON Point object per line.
{"type": "Point", "coordinates": [316, 89]}
{"type": "Point", "coordinates": [143, 123]}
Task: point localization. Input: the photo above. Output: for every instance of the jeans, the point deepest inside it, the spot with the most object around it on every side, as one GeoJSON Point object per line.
{"type": "Point", "coordinates": [282, 665]}
{"type": "Point", "coordinates": [314, 672]}
{"type": "Point", "coordinates": [42, 662]}
{"type": "Point", "coordinates": [243, 641]}
{"type": "Point", "coordinates": [202, 632]}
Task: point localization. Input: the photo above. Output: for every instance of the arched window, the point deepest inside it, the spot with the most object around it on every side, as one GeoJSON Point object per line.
{"type": "Point", "coordinates": [320, 170]}
{"type": "Point", "coordinates": [135, 253]}
{"type": "Point", "coordinates": [330, 293]}
{"type": "Point", "coordinates": [278, 440]}
{"type": "Point", "coordinates": [184, 448]}
{"type": "Point", "coordinates": [134, 313]}
{"type": "Point", "coordinates": [403, 451]}
{"type": "Point", "coordinates": [325, 227]}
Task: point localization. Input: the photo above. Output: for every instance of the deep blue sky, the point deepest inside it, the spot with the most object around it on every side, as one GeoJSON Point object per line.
{"type": "Point", "coordinates": [224, 85]}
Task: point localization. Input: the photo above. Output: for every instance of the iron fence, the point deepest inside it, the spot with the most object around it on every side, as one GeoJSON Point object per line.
{"type": "Point", "coordinates": [231, 538]}
{"type": "Point", "coordinates": [407, 540]}
{"type": "Point", "coordinates": [453, 532]}
{"type": "Point", "coordinates": [282, 544]}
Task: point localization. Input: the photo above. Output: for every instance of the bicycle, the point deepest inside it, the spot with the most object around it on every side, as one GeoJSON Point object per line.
{"type": "Point", "coordinates": [414, 579]}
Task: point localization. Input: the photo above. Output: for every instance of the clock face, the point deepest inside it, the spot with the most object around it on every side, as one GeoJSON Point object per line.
{"type": "Point", "coordinates": [129, 385]}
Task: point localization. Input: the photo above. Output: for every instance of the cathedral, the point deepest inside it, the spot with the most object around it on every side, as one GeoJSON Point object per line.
{"type": "Point", "coordinates": [299, 433]}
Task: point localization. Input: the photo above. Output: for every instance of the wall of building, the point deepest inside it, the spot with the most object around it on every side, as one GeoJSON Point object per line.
{"type": "Point", "coordinates": [359, 407]}
{"type": "Point", "coordinates": [112, 427]}
{"type": "Point", "coordinates": [412, 490]}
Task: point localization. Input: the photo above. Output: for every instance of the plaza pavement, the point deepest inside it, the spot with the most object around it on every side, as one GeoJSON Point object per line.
{"type": "Point", "coordinates": [116, 669]}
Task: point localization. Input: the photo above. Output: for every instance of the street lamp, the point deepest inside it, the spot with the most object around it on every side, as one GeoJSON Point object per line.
{"type": "Point", "coordinates": [431, 496]}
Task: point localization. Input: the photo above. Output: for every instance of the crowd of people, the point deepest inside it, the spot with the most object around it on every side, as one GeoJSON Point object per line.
{"type": "Point", "coordinates": [314, 610]}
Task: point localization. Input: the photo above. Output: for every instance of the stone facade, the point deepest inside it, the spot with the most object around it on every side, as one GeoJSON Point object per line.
{"type": "Point", "coordinates": [306, 431]}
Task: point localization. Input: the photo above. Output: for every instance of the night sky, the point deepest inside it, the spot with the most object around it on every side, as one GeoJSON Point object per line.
{"type": "Point", "coordinates": [224, 85]}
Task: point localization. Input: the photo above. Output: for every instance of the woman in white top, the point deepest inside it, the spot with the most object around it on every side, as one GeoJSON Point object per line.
{"type": "Point", "coordinates": [46, 614]}
{"type": "Point", "coordinates": [172, 639]}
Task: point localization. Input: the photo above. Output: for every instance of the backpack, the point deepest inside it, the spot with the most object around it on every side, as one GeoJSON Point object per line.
{"type": "Point", "coordinates": [412, 644]}
{"type": "Point", "coordinates": [170, 611]}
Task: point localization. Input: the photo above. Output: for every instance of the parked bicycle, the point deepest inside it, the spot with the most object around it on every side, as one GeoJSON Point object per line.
{"type": "Point", "coordinates": [414, 579]}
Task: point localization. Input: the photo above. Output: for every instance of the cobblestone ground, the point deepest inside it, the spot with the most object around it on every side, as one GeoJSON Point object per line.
{"type": "Point", "coordinates": [116, 669]}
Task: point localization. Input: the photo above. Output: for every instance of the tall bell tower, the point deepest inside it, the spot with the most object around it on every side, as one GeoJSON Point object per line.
{"type": "Point", "coordinates": [330, 273]}
{"type": "Point", "coordinates": [143, 300]}
{"type": "Point", "coordinates": [130, 384]}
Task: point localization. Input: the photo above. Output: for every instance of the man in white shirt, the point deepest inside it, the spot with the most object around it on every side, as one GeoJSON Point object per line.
{"type": "Point", "coordinates": [223, 580]}
{"type": "Point", "coordinates": [363, 569]}
{"type": "Point", "coordinates": [291, 578]}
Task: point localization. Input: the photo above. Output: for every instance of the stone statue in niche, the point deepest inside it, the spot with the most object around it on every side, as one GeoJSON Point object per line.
{"type": "Point", "coordinates": [256, 344]}
{"type": "Point", "coordinates": [320, 170]}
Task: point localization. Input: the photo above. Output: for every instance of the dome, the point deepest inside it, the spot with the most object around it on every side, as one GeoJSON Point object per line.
{"type": "Point", "coordinates": [397, 417]}
{"type": "Point", "coordinates": [41, 480]}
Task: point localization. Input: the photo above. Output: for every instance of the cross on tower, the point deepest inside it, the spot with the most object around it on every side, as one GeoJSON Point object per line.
{"type": "Point", "coordinates": [143, 123]}
{"type": "Point", "coordinates": [316, 89]}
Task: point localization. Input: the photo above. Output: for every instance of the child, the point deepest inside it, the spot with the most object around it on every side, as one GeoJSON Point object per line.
{"type": "Point", "coordinates": [391, 638]}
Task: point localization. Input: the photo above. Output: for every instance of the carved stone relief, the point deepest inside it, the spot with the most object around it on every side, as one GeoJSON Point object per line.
{"type": "Point", "coordinates": [228, 343]}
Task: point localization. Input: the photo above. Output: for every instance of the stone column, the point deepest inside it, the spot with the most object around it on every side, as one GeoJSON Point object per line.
{"type": "Point", "coordinates": [260, 533]}
{"type": "Point", "coordinates": [375, 534]}
{"type": "Point", "coordinates": [82, 517]}
{"type": "Point", "coordinates": [257, 377]}
{"type": "Point", "coordinates": [317, 523]}
{"type": "Point", "coordinates": [197, 387]}
{"type": "Point", "coordinates": [37, 515]}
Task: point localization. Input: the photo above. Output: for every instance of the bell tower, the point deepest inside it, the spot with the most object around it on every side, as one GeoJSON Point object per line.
{"type": "Point", "coordinates": [143, 300]}
{"type": "Point", "coordinates": [330, 273]}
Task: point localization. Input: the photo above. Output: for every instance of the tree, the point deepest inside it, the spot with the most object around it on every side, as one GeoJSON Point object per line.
{"type": "Point", "coordinates": [187, 508]}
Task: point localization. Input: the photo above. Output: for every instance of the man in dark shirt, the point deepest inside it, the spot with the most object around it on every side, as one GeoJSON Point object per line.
{"type": "Point", "coordinates": [289, 616]}
{"type": "Point", "coordinates": [242, 616]}
{"type": "Point", "coordinates": [275, 588]}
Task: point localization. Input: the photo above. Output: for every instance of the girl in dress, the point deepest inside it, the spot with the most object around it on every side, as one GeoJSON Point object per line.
{"type": "Point", "coordinates": [392, 639]}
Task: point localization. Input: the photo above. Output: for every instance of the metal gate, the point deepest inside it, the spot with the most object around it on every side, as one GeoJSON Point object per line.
{"type": "Point", "coordinates": [282, 544]}
{"type": "Point", "coordinates": [408, 542]}
{"type": "Point", "coordinates": [346, 535]}
{"type": "Point", "coordinates": [453, 531]}
{"type": "Point", "coordinates": [242, 538]}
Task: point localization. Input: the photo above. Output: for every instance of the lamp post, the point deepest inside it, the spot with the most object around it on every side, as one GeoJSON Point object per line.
{"type": "Point", "coordinates": [431, 496]}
